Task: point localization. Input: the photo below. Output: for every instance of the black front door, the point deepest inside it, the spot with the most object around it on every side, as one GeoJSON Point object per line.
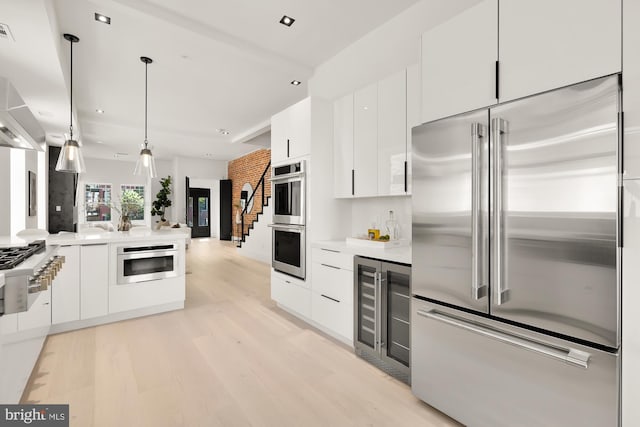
{"type": "Point", "coordinates": [199, 212]}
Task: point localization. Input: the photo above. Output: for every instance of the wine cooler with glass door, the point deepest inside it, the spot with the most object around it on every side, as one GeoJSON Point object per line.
{"type": "Point", "coordinates": [382, 313]}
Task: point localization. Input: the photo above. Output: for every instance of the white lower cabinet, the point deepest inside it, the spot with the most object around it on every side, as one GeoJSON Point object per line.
{"type": "Point", "coordinates": [332, 292]}
{"type": "Point", "coordinates": [94, 280]}
{"type": "Point", "coordinates": [38, 315]}
{"type": "Point", "coordinates": [65, 290]}
{"type": "Point", "coordinates": [291, 293]}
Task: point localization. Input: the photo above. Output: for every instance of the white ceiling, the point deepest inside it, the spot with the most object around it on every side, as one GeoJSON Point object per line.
{"type": "Point", "coordinates": [217, 64]}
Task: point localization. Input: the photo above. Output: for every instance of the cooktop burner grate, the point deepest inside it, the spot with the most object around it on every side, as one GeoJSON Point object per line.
{"type": "Point", "coordinates": [11, 257]}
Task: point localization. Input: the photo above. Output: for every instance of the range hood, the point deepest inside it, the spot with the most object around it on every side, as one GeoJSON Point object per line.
{"type": "Point", "coordinates": [18, 126]}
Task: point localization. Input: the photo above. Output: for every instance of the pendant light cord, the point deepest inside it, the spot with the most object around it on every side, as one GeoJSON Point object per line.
{"type": "Point", "coordinates": [71, 94]}
{"type": "Point", "coordinates": [146, 66]}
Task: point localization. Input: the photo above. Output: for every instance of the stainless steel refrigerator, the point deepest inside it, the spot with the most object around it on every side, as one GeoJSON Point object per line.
{"type": "Point", "coordinates": [516, 260]}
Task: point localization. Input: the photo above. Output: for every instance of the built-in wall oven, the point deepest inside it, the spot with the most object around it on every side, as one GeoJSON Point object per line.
{"type": "Point", "coordinates": [288, 193]}
{"type": "Point", "coordinates": [288, 251]}
{"type": "Point", "coordinates": [144, 262]}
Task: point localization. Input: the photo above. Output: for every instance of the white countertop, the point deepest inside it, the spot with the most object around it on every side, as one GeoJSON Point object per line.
{"type": "Point", "coordinates": [401, 254]}
{"type": "Point", "coordinates": [116, 236]}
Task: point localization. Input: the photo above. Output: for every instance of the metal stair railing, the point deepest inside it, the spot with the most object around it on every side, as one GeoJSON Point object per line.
{"type": "Point", "coordinates": [261, 184]}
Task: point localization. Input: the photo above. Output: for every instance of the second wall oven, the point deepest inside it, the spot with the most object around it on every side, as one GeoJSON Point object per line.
{"type": "Point", "coordinates": [288, 252]}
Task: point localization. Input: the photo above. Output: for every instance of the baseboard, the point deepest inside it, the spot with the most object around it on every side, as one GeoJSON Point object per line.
{"type": "Point", "coordinates": [115, 317]}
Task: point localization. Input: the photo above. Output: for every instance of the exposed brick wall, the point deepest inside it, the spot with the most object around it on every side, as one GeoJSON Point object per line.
{"type": "Point", "coordinates": [249, 169]}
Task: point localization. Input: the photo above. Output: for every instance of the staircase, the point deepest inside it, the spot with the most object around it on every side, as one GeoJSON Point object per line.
{"type": "Point", "coordinates": [260, 200]}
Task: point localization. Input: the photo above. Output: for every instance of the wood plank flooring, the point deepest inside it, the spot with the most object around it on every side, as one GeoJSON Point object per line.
{"type": "Point", "coordinates": [230, 358]}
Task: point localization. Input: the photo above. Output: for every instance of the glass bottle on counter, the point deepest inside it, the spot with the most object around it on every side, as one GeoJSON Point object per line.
{"type": "Point", "coordinates": [392, 227]}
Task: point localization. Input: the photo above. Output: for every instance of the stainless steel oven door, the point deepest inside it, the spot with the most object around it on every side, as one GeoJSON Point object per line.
{"type": "Point", "coordinates": [288, 251]}
{"type": "Point", "coordinates": [145, 266]}
{"type": "Point", "coordinates": [288, 198]}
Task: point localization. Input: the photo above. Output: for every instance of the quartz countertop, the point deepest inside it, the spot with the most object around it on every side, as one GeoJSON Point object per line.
{"type": "Point", "coordinates": [399, 254]}
{"type": "Point", "coordinates": [117, 236]}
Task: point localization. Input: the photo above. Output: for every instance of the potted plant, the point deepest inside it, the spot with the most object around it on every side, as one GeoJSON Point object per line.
{"type": "Point", "coordinates": [162, 201]}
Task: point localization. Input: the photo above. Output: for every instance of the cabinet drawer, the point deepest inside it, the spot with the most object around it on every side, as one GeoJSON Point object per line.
{"type": "Point", "coordinates": [454, 366]}
{"type": "Point", "coordinates": [331, 281]}
{"type": "Point", "coordinates": [332, 258]}
{"type": "Point", "coordinates": [335, 316]}
{"type": "Point", "coordinates": [288, 294]}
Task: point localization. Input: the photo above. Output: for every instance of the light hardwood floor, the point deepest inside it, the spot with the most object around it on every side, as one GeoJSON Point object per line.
{"type": "Point", "coordinates": [230, 358]}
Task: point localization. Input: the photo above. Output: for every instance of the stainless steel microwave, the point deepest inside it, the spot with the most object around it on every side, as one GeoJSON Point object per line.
{"type": "Point", "coordinates": [142, 263]}
{"type": "Point", "coordinates": [288, 192]}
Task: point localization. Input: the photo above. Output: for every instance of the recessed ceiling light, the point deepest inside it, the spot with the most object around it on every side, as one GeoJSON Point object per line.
{"type": "Point", "coordinates": [224, 131]}
{"type": "Point", "coordinates": [296, 82]}
{"type": "Point", "coordinates": [99, 111]}
{"type": "Point", "coordinates": [99, 142]}
{"type": "Point", "coordinates": [102, 18]}
{"type": "Point", "coordinates": [287, 20]}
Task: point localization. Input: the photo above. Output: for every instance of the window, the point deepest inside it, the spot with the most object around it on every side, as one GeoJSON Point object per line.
{"type": "Point", "coordinates": [132, 201]}
{"type": "Point", "coordinates": [97, 199]}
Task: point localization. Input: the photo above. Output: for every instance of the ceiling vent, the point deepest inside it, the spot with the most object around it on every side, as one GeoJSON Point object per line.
{"type": "Point", "coordinates": [5, 32]}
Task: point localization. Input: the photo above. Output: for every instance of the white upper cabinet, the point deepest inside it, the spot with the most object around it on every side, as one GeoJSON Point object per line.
{"type": "Point", "coordinates": [365, 141]}
{"type": "Point", "coordinates": [291, 132]}
{"type": "Point", "coordinates": [392, 134]}
{"type": "Point", "coordinates": [343, 146]}
{"type": "Point", "coordinates": [458, 62]}
{"type": "Point", "coordinates": [279, 131]}
{"type": "Point", "coordinates": [413, 113]}
{"type": "Point", "coordinates": [300, 128]}
{"type": "Point", "coordinates": [546, 44]}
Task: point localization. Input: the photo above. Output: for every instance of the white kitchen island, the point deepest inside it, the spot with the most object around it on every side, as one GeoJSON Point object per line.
{"type": "Point", "coordinates": [87, 292]}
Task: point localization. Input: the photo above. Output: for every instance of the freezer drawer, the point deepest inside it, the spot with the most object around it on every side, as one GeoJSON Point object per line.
{"type": "Point", "coordinates": [485, 373]}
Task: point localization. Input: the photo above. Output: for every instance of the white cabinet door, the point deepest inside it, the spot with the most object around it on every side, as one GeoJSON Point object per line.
{"type": "Point", "coordinates": [458, 61]}
{"type": "Point", "coordinates": [65, 291]}
{"type": "Point", "coordinates": [279, 132]}
{"type": "Point", "coordinates": [94, 280]}
{"type": "Point", "coordinates": [39, 314]}
{"type": "Point", "coordinates": [413, 113]}
{"type": "Point", "coordinates": [299, 116]}
{"type": "Point", "coordinates": [343, 146]}
{"type": "Point", "coordinates": [392, 134]}
{"type": "Point", "coordinates": [365, 141]}
{"type": "Point", "coordinates": [546, 44]}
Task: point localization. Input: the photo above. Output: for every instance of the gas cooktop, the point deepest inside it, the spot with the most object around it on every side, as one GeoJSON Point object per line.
{"type": "Point", "coordinates": [12, 256]}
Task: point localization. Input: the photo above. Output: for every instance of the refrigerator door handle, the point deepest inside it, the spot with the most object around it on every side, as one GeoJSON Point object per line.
{"type": "Point", "coordinates": [478, 289]}
{"type": "Point", "coordinates": [498, 128]}
{"type": "Point", "coordinates": [567, 355]}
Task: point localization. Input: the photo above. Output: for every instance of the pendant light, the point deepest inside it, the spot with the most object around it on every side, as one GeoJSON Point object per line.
{"type": "Point", "coordinates": [146, 165]}
{"type": "Point", "coordinates": [70, 159]}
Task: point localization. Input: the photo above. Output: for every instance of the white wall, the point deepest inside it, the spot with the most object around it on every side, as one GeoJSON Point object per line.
{"type": "Point", "coordinates": [364, 212]}
{"type": "Point", "coordinates": [116, 173]}
{"type": "Point", "coordinates": [14, 190]}
{"type": "Point", "coordinates": [389, 48]}
{"type": "Point", "coordinates": [5, 191]}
